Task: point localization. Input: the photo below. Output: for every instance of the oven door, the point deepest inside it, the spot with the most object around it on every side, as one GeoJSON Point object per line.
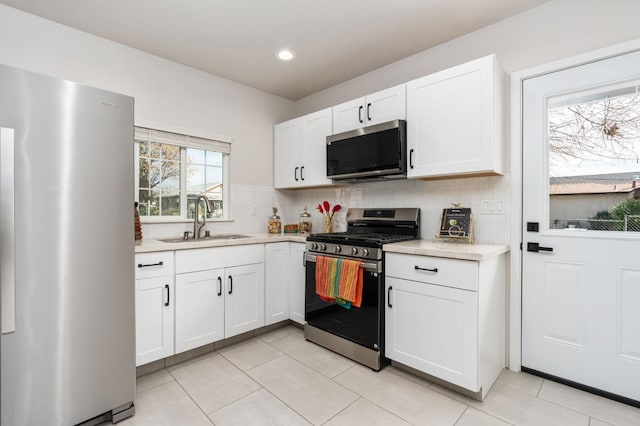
{"type": "Point", "coordinates": [364, 325]}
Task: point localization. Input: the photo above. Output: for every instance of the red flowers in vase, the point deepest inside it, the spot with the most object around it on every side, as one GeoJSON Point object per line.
{"type": "Point", "coordinates": [328, 212]}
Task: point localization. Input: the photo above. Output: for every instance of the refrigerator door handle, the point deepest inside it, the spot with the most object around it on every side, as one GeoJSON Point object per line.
{"type": "Point", "coordinates": [7, 230]}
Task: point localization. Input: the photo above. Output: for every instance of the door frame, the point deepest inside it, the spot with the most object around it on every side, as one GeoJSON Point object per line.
{"type": "Point", "coordinates": [515, 263]}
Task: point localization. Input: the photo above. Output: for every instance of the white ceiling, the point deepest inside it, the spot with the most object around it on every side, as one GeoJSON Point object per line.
{"type": "Point", "coordinates": [334, 40]}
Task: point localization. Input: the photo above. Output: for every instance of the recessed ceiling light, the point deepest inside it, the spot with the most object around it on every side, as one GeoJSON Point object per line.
{"type": "Point", "coordinates": [285, 55]}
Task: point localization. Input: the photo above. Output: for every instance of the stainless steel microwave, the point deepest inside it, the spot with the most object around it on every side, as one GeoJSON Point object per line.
{"type": "Point", "coordinates": [369, 153]}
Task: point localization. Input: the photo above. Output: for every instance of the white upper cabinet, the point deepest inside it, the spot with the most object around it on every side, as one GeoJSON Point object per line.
{"type": "Point", "coordinates": [454, 121]}
{"type": "Point", "coordinates": [379, 107]}
{"type": "Point", "coordinates": [300, 153]}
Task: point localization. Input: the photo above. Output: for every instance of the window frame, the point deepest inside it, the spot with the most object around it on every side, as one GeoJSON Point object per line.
{"type": "Point", "coordinates": [205, 143]}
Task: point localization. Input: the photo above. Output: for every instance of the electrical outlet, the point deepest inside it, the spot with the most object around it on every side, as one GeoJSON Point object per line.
{"type": "Point", "coordinates": [491, 207]}
{"type": "Point", "coordinates": [254, 211]}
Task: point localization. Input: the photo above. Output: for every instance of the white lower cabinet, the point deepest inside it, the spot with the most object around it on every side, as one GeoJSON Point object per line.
{"type": "Point", "coordinates": [296, 282]}
{"type": "Point", "coordinates": [446, 317]}
{"type": "Point", "coordinates": [244, 300]}
{"type": "Point", "coordinates": [154, 306]}
{"type": "Point", "coordinates": [199, 308]}
{"type": "Point", "coordinates": [276, 283]}
{"type": "Point", "coordinates": [219, 294]}
{"type": "Point", "coordinates": [433, 329]}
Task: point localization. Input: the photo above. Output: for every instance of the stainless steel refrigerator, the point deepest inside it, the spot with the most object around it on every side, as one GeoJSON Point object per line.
{"type": "Point", "coordinates": [66, 252]}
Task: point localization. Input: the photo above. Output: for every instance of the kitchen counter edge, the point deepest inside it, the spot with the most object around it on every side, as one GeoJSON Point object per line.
{"type": "Point", "coordinates": [152, 245]}
{"type": "Point", "coordinates": [461, 251]}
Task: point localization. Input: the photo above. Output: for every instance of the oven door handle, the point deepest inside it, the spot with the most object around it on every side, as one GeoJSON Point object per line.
{"type": "Point", "coordinates": [367, 266]}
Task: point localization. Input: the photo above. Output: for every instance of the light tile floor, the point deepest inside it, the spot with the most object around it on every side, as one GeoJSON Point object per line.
{"type": "Point", "coordinates": [278, 378]}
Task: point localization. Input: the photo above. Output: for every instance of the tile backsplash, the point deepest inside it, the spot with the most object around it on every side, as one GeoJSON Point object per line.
{"type": "Point", "coordinates": [251, 205]}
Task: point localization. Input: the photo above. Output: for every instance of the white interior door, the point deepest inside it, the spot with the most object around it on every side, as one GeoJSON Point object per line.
{"type": "Point", "coordinates": [581, 225]}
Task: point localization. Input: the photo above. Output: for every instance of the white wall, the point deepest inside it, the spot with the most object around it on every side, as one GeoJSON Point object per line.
{"type": "Point", "coordinates": [554, 30]}
{"type": "Point", "coordinates": [165, 92]}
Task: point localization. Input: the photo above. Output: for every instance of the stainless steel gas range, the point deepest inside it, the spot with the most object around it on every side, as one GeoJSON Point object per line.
{"type": "Point", "coordinates": [357, 333]}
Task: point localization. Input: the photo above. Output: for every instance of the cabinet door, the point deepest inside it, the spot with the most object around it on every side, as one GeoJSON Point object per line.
{"type": "Point", "coordinates": [276, 285]}
{"type": "Point", "coordinates": [154, 318]}
{"type": "Point", "coordinates": [244, 300]}
{"type": "Point", "coordinates": [296, 283]}
{"type": "Point", "coordinates": [433, 329]}
{"type": "Point", "coordinates": [287, 154]}
{"type": "Point", "coordinates": [348, 116]}
{"type": "Point", "coordinates": [386, 105]}
{"type": "Point", "coordinates": [199, 308]}
{"type": "Point", "coordinates": [451, 122]}
{"type": "Point", "coordinates": [315, 129]}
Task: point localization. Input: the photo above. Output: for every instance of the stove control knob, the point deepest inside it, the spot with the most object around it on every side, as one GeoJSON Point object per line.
{"type": "Point", "coordinates": [365, 252]}
{"type": "Point", "coordinates": [354, 250]}
{"type": "Point", "coordinates": [323, 247]}
{"type": "Point", "coordinates": [314, 246]}
{"type": "Point", "coordinates": [337, 249]}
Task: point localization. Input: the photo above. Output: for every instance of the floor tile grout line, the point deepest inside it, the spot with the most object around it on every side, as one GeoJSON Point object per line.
{"type": "Point", "coordinates": [557, 404]}
{"type": "Point", "coordinates": [461, 415]}
{"type": "Point", "coordinates": [156, 385]}
{"type": "Point", "coordinates": [310, 366]}
{"type": "Point", "coordinates": [233, 402]}
{"type": "Point", "coordinates": [276, 396]}
{"type": "Point", "coordinates": [332, 417]}
{"type": "Point", "coordinates": [570, 408]}
{"type": "Point", "coordinates": [191, 397]}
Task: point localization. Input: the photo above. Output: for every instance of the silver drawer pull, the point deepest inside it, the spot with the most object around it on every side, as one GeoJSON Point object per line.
{"type": "Point", "coordinates": [417, 268]}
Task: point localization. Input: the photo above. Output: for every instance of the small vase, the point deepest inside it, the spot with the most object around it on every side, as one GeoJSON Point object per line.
{"type": "Point", "coordinates": [328, 225]}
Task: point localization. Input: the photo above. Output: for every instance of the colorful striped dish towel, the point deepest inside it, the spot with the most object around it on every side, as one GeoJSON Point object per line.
{"type": "Point", "coordinates": [339, 280]}
{"type": "Point", "coordinates": [350, 282]}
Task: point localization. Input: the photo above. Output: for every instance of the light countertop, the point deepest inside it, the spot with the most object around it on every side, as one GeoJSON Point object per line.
{"type": "Point", "coordinates": [453, 250]}
{"type": "Point", "coordinates": [147, 245]}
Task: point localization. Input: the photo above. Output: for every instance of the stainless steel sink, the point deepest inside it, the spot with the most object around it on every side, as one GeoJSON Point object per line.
{"type": "Point", "coordinates": [209, 238]}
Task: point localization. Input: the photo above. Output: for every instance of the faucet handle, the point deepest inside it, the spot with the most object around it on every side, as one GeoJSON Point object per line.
{"type": "Point", "coordinates": [186, 235]}
{"type": "Point", "coordinates": [207, 233]}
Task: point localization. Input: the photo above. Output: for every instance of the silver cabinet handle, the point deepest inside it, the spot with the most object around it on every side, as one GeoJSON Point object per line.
{"type": "Point", "coordinates": [7, 230]}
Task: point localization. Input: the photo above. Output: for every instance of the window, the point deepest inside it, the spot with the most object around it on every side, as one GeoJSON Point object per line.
{"type": "Point", "coordinates": [594, 157]}
{"type": "Point", "coordinates": [173, 170]}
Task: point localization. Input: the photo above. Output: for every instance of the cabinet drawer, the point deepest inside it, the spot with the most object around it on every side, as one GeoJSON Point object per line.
{"type": "Point", "coordinates": [462, 274]}
{"type": "Point", "coordinates": [218, 257]}
{"type": "Point", "coordinates": [149, 265]}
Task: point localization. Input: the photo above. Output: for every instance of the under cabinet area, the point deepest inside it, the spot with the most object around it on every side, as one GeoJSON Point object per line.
{"type": "Point", "coordinates": [154, 306]}
{"type": "Point", "coordinates": [454, 121]}
{"type": "Point", "coordinates": [446, 317]}
{"type": "Point", "coordinates": [219, 293]}
{"type": "Point", "coordinates": [300, 155]}
{"type": "Point", "coordinates": [379, 107]}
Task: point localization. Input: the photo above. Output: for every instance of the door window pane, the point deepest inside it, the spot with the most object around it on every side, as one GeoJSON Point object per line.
{"type": "Point", "coordinates": [594, 160]}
